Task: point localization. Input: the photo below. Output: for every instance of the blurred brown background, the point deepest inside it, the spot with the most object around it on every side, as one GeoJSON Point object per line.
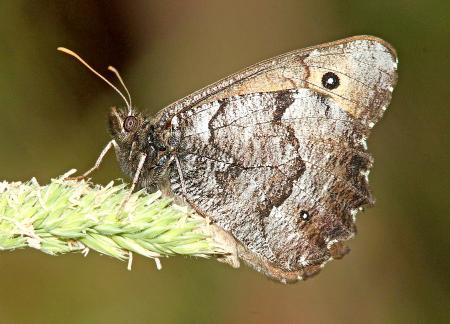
{"type": "Point", "coordinates": [53, 118]}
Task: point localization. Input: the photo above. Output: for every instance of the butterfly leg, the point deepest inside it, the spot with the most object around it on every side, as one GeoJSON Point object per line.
{"type": "Point", "coordinates": [97, 163]}
{"type": "Point", "coordinates": [135, 178]}
{"type": "Point", "coordinates": [180, 173]}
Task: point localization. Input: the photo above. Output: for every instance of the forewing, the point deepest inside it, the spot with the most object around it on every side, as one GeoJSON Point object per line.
{"type": "Point", "coordinates": [366, 66]}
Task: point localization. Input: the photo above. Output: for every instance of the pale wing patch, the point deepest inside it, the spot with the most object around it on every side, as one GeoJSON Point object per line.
{"type": "Point", "coordinates": [366, 71]}
{"type": "Point", "coordinates": [275, 79]}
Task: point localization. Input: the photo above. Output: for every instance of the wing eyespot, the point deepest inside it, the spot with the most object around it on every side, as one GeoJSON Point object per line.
{"type": "Point", "coordinates": [305, 216]}
{"type": "Point", "coordinates": [330, 80]}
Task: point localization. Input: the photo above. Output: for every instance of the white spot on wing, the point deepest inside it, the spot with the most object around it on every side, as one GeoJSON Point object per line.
{"type": "Point", "coordinates": [365, 173]}
{"type": "Point", "coordinates": [303, 261]}
{"type": "Point", "coordinates": [363, 142]}
{"type": "Point", "coordinates": [175, 121]}
{"type": "Point", "coordinates": [330, 243]}
{"type": "Point", "coordinates": [314, 53]}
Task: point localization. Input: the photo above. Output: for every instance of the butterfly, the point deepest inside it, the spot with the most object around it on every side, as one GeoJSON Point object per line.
{"type": "Point", "coordinates": [274, 155]}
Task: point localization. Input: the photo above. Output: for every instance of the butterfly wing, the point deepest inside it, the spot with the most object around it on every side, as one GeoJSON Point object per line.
{"type": "Point", "coordinates": [278, 159]}
{"type": "Point", "coordinates": [366, 66]}
{"type": "Point", "coordinates": [256, 163]}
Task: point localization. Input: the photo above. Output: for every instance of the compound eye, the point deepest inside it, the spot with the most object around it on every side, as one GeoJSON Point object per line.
{"type": "Point", "coordinates": [130, 123]}
{"type": "Point", "coordinates": [330, 80]}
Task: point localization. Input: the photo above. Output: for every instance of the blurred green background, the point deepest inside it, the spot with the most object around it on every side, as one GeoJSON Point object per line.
{"type": "Point", "coordinates": [53, 118]}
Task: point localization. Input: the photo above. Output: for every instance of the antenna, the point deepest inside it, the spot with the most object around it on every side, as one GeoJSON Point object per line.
{"type": "Point", "coordinates": [75, 55]}
{"type": "Point", "coordinates": [114, 70]}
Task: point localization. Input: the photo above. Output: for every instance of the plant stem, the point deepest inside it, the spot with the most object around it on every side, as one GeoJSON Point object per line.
{"type": "Point", "coordinates": [67, 216]}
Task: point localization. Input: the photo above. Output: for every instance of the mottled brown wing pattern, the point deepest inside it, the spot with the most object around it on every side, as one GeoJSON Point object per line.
{"type": "Point", "coordinates": [277, 158]}
{"type": "Point", "coordinates": [254, 163]}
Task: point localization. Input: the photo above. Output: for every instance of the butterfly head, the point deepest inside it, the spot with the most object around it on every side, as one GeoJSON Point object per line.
{"type": "Point", "coordinates": [134, 137]}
